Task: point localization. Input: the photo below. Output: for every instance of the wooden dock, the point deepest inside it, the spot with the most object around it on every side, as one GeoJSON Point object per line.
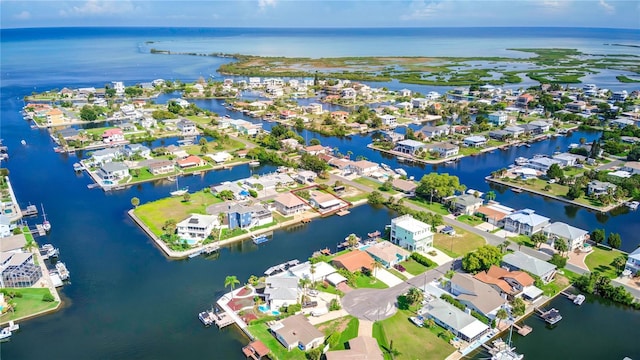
{"type": "Point", "coordinates": [343, 212]}
{"type": "Point", "coordinates": [31, 210]}
{"type": "Point", "coordinates": [40, 230]}
{"type": "Point", "coordinates": [523, 330]}
{"type": "Point", "coordinates": [305, 220]}
{"type": "Point", "coordinates": [222, 319]}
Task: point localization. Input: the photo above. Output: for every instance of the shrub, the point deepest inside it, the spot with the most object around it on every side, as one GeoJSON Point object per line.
{"type": "Point", "coordinates": [253, 193]}
{"type": "Point", "coordinates": [559, 261]}
{"type": "Point", "coordinates": [48, 297]}
{"type": "Point", "coordinates": [334, 305]}
{"type": "Point", "coordinates": [452, 301]}
{"type": "Point", "coordinates": [421, 259]}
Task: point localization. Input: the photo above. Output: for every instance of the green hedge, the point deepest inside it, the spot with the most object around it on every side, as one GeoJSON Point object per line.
{"type": "Point", "coordinates": [423, 260]}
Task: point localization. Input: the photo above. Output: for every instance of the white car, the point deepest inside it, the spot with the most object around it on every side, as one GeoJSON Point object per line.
{"type": "Point", "coordinates": [319, 312]}
{"type": "Point", "coordinates": [313, 293]}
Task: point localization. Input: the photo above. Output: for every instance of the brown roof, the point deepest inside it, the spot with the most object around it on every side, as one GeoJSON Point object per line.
{"type": "Point", "coordinates": [322, 197]}
{"type": "Point", "coordinates": [364, 164]}
{"type": "Point", "coordinates": [360, 348]}
{"type": "Point", "coordinates": [288, 200]}
{"type": "Point", "coordinates": [354, 261]}
{"type": "Point", "coordinates": [491, 213]}
{"type": "Point", "coordinates": [314, 148]}
{"type": "Point", "coordinates": [256, 347]}
{"type": "Point", "coordinates": [404, 185]}
{"type": "Point", "coordinates": [520, 276]}
{"type": "Point", "coordinates": [387, 251]}
{"type": "Point", "coordinates": [298, 328]}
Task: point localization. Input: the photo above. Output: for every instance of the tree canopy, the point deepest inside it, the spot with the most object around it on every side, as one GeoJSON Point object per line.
{"type": "Point", "coordinates": [481, 259]}
{"type": "Point", "coordinates": [441, 185]}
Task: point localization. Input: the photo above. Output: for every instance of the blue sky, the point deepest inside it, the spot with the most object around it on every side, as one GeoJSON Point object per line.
{"type": "Point", "coordinates": [327, 13]}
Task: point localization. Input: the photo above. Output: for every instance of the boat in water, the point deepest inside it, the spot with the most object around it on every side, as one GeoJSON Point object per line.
{"type": "Point", "coordinates": [254, 163]}
{"type": "Point", "coordinates": [521, 161]}
{"type": "Point", "coordinates": [48, 251]}
{"type": "Point", "coordinates": [385, 167]}
{"type": "Point", "coordinates": [23, 142]}
{"type": "Point", "coordinates": [259, 239]}
{"type": "Point", "coordinates": [503, 350]}
{"type": "Point", "coordinates": [5, 333]}
{"type": "Point", "coordinates": [552, 316]}
{"type": "Point", "coordinates": [579, 299]}
{"type": "Point", "coordinates": [46, 225]}
{"type": "Point", "coordinates": [206, 317]}
{"type": "Point", "coordinates": [62, 271]}
{"type": "Point", "coordinates": [401, 171]}
{"type": "Point", "coordinates": [633, 205]}
{"type": "Point", "coordinates": [178, 191]}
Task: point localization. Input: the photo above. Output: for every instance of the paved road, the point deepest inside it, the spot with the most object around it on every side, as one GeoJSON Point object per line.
{"type": "Point", "coordinates": [379, 304]}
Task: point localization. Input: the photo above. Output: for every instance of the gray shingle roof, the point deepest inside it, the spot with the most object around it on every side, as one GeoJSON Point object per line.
{"type": "Point", "coordinates": [528, 263]}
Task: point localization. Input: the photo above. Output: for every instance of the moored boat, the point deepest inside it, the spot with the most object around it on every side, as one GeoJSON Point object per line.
{"type": "Point", "coordinates": [579, 299]}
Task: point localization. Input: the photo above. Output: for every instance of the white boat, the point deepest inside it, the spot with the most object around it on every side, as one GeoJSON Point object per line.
{"type": "Point", "coordinates": [49, 251]}
{"type": "Point", "coordinates": [206, 317]}
{"type": "Point", "coordinates": [178, 191]}
{"type": "Point", "coordinates": [46, 225]}
{"type": "Point", "coordinates": [633, 205]}
{"type": "Point", "coordinates": [259, 239]}
{"type": "Point", "coordinates": [23, 143]}
{"type": "Point", "coordinates": [5, 333]}
{"type": "Point", "coordinates": [521, 161]}
{"type": "Point", "coordinates": [503, 350]}
{"type": "Point", "coordinates": [61, 268]}
{"type": "Point", "coordinates": [579, 299]}
{"type": "Point", "coordinates": [385, 167]}
{"type": "Point", "coordinates": [254, 163]}
{"type": "Point", "coordinates": [401, 171]}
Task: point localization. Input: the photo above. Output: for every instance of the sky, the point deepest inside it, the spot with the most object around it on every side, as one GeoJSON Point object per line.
{"type": "Point", "coordinates": [324, 13]}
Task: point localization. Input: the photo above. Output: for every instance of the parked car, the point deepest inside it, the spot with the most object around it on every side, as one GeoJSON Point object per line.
{"type": "Point", "coordinates": [320, 312]}
{"type": "Point", "coordinates": [309, 304]}
{"type": "Point", "coordinates": [399, 267]}
{"type": "Point", "coordinates": [313, 293]}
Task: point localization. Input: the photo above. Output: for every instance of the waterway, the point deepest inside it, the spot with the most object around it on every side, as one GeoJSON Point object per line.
{"type": "Point", "coordinates": [126, 300]}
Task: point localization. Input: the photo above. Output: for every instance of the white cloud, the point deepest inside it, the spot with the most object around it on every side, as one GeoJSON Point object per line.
{"type": "Point", "coordinates": [24, 15]}
{"type": "Point", "coordinates": [607, 7]}
{"type": "Point", "coordinates": [419, 9]}
{"type": "Point", "coordinates": [99, 7]}
{"type": "Point", "coordinates": [263, 4]}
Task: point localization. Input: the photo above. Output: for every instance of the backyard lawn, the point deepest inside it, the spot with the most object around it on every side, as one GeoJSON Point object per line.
{"type": "Point", "coordinates": [600, 259]}
{"type": "Point", "coordinates": [364, 281]}
{"type": "Point", "coordinates": [459, 244]}
{"type": "Point", "coordinates": [155, 213]}
{"type": "Point", "coordinates": [411, 341]}
{"type": "Point", "coordinates": [470, 219]}
{"type": "Point", "coordinates": [30, 303]}
{"type": "Point", "coordinates": [261, 332]}
{"type": "Point", "coordinates": [346, 328]}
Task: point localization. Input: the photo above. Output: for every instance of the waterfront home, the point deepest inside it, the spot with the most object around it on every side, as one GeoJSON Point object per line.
{"type": "Point", "coordinates": [521, 261]}
{"type": "Point", "coordinates": [542, 126]}
{"type": "Point", "coordinates": [574, 237]}
{"type": "Point", "coordinates": [428, 132]}
{"type": "Point", "coordinates": [525, 222]}
{"type": "Point", "coordinates": [160, 167]}
{"type": "Point", "coordinates": [136, 149]}
{"type": "Point", "coordinates": [445, 149]}
{"type": "Point", "coordinates": [515, 131]}
{"type": "Point", "coordinates": [256, 350]}
{"type": "Point", "coordinates": [411, 234]}
{"type": "Point", "coordinates": [475, 141]}
{"type": "Point", "coordinates": [499, 135]}
{"type": "Point", "coordinates": [191, 161]}
{"type": "Point", "coordinates": [269, 181]}
{"type": "Point", "coordinates": [321, 270]}
{"type": "Point", "coordinates": [494, 213]}
{"type": "Point", "coordinates": [113, 171]}
{"type": "Point", "coordinates": [360, 348]}
{"type": "Point", "coordinates": [254, 82]}
{"type": "Point", "coordinates": [324, 202]}
{"type": "Point", "coordinates": [113, 135]}
{"type": "Point", "coordinates": [105, 155]}
{"type": "Point", "coordinates": [239, 193]}
{"type": "Point", "coordinates": [281, 290]}
{"type": "Point", "coordinates": [466, 204]}
{"type": "Point", "coordinates": [461, 324]}
{"type": "Point", "coordinates": [86, 91]}
{"type": "Point", "coordinates": [187, 127]}
{"type": "Point", "coordinates": [13, 243]}
{"type": "Point", "coordinates": [6, 227]}
{"type": "Point", "coordinates": [289, 204]}
{"type": "Point", "coordinates": [618, 175]}
{"type": "Point", "coordinates": [405, 186]}
{"type": "Point", "coordinates": [405, 105]}
{"type": "Point", "coordinates": [18, 270]}
{"type": "Point", "coordinates": [391, 136]}
{"type": "Point", "coordinates": [290, 144]}
{"type": "Point", "coordinates": [297, 331]}
{"type": "Point", "coordinates": [389, 120]}
{"type": "Point", "coordinates": [595, 187]}
{"type": "Point", "coordinates": [523, 100]}
{"type": "Point", "coordinates": [420, 103]}
{"type": "Point", "coordinates": [387, 253]}
{"type": "Point", "coordinates": [409, 146]}
{"type": "Point", "coordinates": [498, 118]}
{"type": "Point", "coordinates": [305, 176]}
{"type": "Point", "coordinates": [220, 157]}
{"type": "Point", "coordinates": [620, 96]}
{"type": "Point", "coordinates": [315, 150]}
{"type": "Point", "coordinates": [55, 117]}
{"type": "Point", "coordinates": [68, 133]}
{"type": "Point", "coordinates": [314, 108]}
{"type": "Point", "coordinates": [66, 92]}
{"type": "Point", "coordinates": [633, 262]}
{"type": "Point", "coordinates": [566, 159]}
{"type": "Point", "coordinates": [196, 227]}
{"type": "Point", "coordinates": [632, 167]}
{"type": "Point", "coordinates": [575, 106]}
{"type": "Point", "coordinates": [404, 93]}
{"type": "Point", "coordinates": [244, 216]}
{"type": "Point", "coordinates": [541, 163]}
{"type": "Point", "coordinates": [355, 260]}
{"type": "Point", "coordinates": [148, 122]}
{"type": "Point", "coordinates": [339, 115]}
{"type": "Point", "coordinates": [476, 295]}
{"type": "Point", "coordinates": [287, 114]}
{"type": "Point", "coordinates": [363, 167]}
{"type": "Point", "coordinates": [348, 93]}
{"type": "Point", "coordinates": [507, 283]}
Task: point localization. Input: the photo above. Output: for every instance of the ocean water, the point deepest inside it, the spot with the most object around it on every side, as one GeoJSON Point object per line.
{"type": "Point", "coordinates": [126, 300]}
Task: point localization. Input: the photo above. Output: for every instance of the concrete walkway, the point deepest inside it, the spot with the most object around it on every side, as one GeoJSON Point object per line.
{"type": "Point", "coordinates": [387, 277]}
{"type": "Point", "coordinates": [332, 315]}
{"type": "Point", "coordinates": [365, 328]}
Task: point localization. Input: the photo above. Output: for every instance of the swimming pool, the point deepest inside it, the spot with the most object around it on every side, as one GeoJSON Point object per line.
{"type": "Point", "coordinates": [107, 182]}
{"type": "Point", "coordinates": [265, 309]}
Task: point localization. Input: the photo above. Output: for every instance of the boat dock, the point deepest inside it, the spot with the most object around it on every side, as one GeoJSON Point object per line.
{"type": "Point", "coordinates": [523, 330]}
{"type": "Point", "coordinates": [552, 316]}
{"type": "Point", "coordinates": [40, 230]}
{"type": "Point", "coordinates": [31, 210]}
{"type": "Point", "coordinates": [343, 212]}
{"type": "Point", "coordinates": [222, 319]}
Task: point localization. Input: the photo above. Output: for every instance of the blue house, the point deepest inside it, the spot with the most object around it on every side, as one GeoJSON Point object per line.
{"type": "Point", "coordinates": [239, 216]}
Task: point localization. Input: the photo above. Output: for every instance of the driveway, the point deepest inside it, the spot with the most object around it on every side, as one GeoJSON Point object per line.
{"type": "Point", "coordinates": [379, 304]}
{"type": "Point", "coordinates": [387, 277]}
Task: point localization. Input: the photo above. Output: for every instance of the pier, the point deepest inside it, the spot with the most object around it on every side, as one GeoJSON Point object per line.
{"type": "Point", "coordinates": [31, 210]}
{"type": "Point", "coordinates": [523, 330]}
{"type": "Point", "coordinates": [222, 319]}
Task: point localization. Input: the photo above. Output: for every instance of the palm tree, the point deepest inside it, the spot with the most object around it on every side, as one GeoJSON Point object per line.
{"type": "Point", "coordinates": [135, 201]}
{"type": "Point", "coordinates": [304, 283]}
{"type": "Point", "coordinates": [231, 281]}
{"type": "Point", "coordinates": [619, 262]}
{"type": "Point", "coordinates": [501, 315]}
{"type": "Point", "coordinates": [491, 195]}
{"type": "Point", "coordinates": [415, 296]}
{"type": "Point", "coordinates": [352, 240]}
{"type": "Point", "coordinates": [312, 270]}
{"type": "Point", "coordinates": [376, 265]}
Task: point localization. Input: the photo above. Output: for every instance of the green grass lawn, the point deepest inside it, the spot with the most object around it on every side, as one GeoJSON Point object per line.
{"type": "Point", "coordinates": [363, 281]}
{"type": "Point", "coordinates": [413, 267]}
{"type": "Point", "coordinates": [354, 198]}
{"type": "Point", "coordinates": [376, 185]}
{"type": "Point", "coordinates": [397, 273]}
{"type": "Point", "coordinates": [345, 327]}
{"type": "Point", "coordinates": [522, 240]}
{"type": "Point", "coordinates": [435, 207]}
{"type": "Point", "coordinates": [459, 244]}
{"type": "Point", "coordinates": [30, 303]}
{"type": "Point", "coordinates": [411, 341]}
{"type": "Point", "coordinates": [144, 175]}
{"type": "Point", "coordinates": [600, 259]}
{"type": "Point", "coordinates": [261, 332]}
{"type": "Point", "coordinates": [155, 213]}
{"type": "Point", "coordinates": [470, 219]}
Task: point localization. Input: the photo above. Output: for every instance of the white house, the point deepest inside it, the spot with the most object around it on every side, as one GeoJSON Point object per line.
{"type": "Point", "coordinates": [595, 187]}
{"type": "Point", "coordinates": [461, 324]}
{"type": "Point", "coordinates": [297, 332]}
{"type": "Point", "coordinates": [409, 146]}
{"type": "Point", "coordinates": [288, 204]}
{"type": "Point", "coordinates": [281, 291]}
{"type": "Point", "coordinates": [521, 261]}
{"type": "Point", "coordinates": [196, 227]}
{"type": "Point", "coordinates": [139, 149]}
{"type": "Point", "coordinates": [187, 127]}
{"type": "Point", "coordinates": [389, 120]}
{"type": "Point", "coordinates": [113, 171]}
{"type": "Point", "coordinates": [363, 167]}
{"type": "Point", "coordinates": [476, 295]}
{"type": "Point", "coordinates": [6, 227]}
{"type": "Point", "coordinates": [498, 118]}
{"type": "Point", "coordinates": [220, 157]}
{"type": "Point", "coordinates": [573, 236]}
{"type": "Point", "coordinates": [113, 135]}
{"type": "Point", "coordinates": [525, 222]}
{"type": "Point", "coordinates": [445, 150]}
{"type": "Point", "coordinates": [411, 234]}
{"type": "Point", "coordinates": [633, 262]}
{"type": "Point", "coordinates": [105, 155]}
{"type": "Point", "coordinates": [475, 141]}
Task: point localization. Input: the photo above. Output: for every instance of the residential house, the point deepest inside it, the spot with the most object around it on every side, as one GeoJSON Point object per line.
{"type": "Point", "coordinates": [243, 216]}
{"type": "Point", "coordinates": [290, 144]}
{"type": "Point", "coordinates": [521, 261]}
{"type": "Point", "coordinates": [297, 331]}
{"type": "Point", "coordinates": [136, 149]}
{"type": "Point", "coordinates": [196, 227]}
{"type": "Point", "coordinates": [68, 133]}
{"type": "Point", "coordinates": [148, 122]}
{"type": "Point", "coordinates": [445, 149]}
{"type": "Point", "coordinates": [475, 141]}
{"type": "Point", "coordinates": [574, 237]}
{"type": "Point", "coordinates": [187, 127]}
{"type": "Point", "coordinates": [281, 291]}
{"type": "Point", "coordinates": [339, 115]}
{"type": "Point", "coordinates": [523, 100]}
{"type": "Point", "coordinates": [633, 262]}
{"type": "Point", "coordinates": [515, 131]}
{"type": "Point", "coordinates": [476, 295]}
{"type": "Point", "coordinates": [220, 157]}
{"type": "Point", "coordinates": [314, 108]}
{"type": "Point", "coordinates": [287, 114]}
{"type": "Point", "coordinates": [576, 106]}
{"type": "Point", "coordinates": [355, 260]}
{"type": "Point", "coordinates": [161, 167]}
{"type": "Point", "coordinates": [55, 117]}
{"type": "Point", "coordinates": [405, 186]}
{"type": "Point", "coordinates": [509, 284]}
{"type": "Point", "coordinates": [494, 213]}
{"type": "Point", "coordinates": [498, 118]}
{"type": "Point", "coordinates": [288, 204]}
{"type": "Point", "coordinates": [191, 161]}
{"type": "Point", "coordinates": [420, 103]}
{"type": "Point", "coordinates": [348, 93]}
{"type": "Point", "coordinates": [429, 132]}
{"type": "Point", "coordinates": [620, 96]}
{"type": "Point", "coordinates": [405, 105]}
{"type": "Point", "coordinates": [525, 222]}
{"type": "Point", "coordinates": [6, 227]}
{"type": "Point", "coordinates": [542, 126]}
{"type": "Point", "coordinates": [315, 150]}
{"type": "Point", "coordinates": [238, 192]}
{"type": "Point", "coordinates": [387, 253]}
{"type": "Point", "coordinates": [389, 120]}
{"type": "Point", "coordinates": [621, 123]}
{"type": "Point", "coordinates": [105, 155]}
{"type": "Point", "coordinates": [541, 163]}
{"type": "Point", "coordinates": [18, 270]}
{"type": "Point", "coordinates": [113, 135]}
{"type": "Point", "coordinates": [269, 181]}
{"type": "Point", "coordinates": [66, 92]}
{"type": "Point", "coordinates": [404, 93]}
{"type": "Point", "coordinates": [360, 348]}
{"type": "Point", "coordinates": [363, 167]}
{"type": "Point", "coordinates": [595, 187]}
{"type": "Point", "coordinates": [314, 272]}
{"type": "Point", "coordinates": [113, 171]}
{"type": "Point", "coordinates": [461, 324]}
{"type": "Point", "coordinates": [466, 204]}
{"type": "Point", "coordinates": [305, 176]}
{"type": "Point", "coordinates": [566, 159]}
{"type": "Point", "coordinates": [256, 350]}
{"type": "Point", "coordinates": [632, 167]}
{"type": "Point", "coordinates": [499, 135]}
{"type": "Point", "coordinates": [411, 234]}
{"type": "Point", "coordinates": [392, 136]}
{"type": "Point", "coordinates": [324, 202]}
{"type": "Point", "coordinates": [409, 146]}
